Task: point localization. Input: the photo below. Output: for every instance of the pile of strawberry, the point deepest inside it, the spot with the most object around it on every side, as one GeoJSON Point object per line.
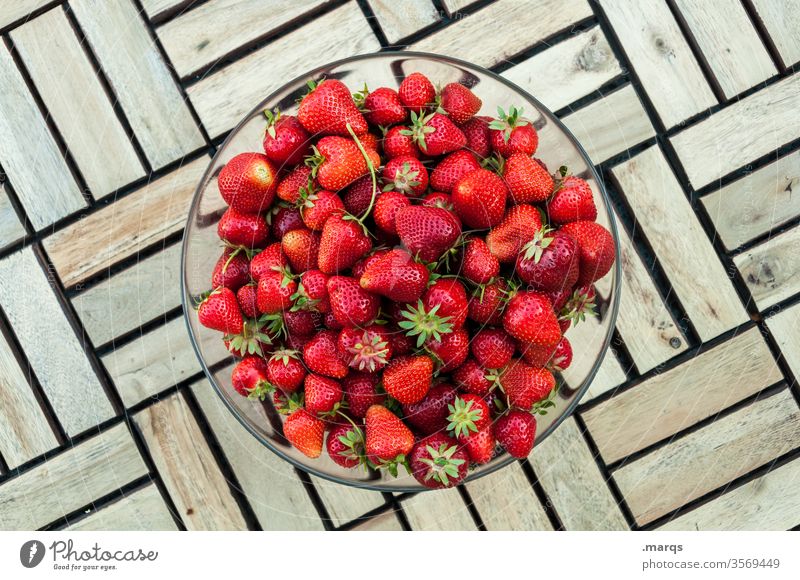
{"type": "Point", "coordinates": [399, 273]}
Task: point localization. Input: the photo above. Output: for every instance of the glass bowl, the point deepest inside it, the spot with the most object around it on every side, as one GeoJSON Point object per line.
{"type": "Point", "coordinates": [201, 248]}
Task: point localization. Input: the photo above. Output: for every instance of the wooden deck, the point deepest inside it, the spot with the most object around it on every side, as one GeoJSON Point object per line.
{"type": "Point", "coordinates": [689, 108]}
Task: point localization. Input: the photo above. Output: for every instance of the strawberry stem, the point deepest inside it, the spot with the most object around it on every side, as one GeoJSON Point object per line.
{"type": "Point", "coordinates": [371, 168]}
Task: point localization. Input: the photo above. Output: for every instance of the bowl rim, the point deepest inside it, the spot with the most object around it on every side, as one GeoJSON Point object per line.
{"type": "Point", "coordinates": [616, 283]}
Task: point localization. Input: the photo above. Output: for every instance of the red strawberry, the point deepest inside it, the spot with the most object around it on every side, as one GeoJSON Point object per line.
{"type": "Point", "coordinates": [427, 232]}
{"type": "Point", "coordinates": [450, 297]}
{"type": "Point", "coordinates": [331, 322]}
{"type": "Point", "coordinates": [438, 199]}
{"type": "Point", "coordinates": [360, 393]}
{"type": "Point", "coordinates": [478, 137]}
{"type": "Point", "coordinates": [220, 311]}
{"type": "Point", "coordinates": [232, 270]}
{"type": "Point", "coordinates": [388, 439]}
{"type": "Point", "coordinates": [305, 432]}
{"type": "Point", "coordinates": [471, 378]}
{"type": "Point", "coordinates": [323, 395]}
{"type": "Point", "coordinates": [249, 377]}
{"type": "Point", "coordinates": [549, 262]}
{"type": "Point", "coordinates": [302, 249]}
{"type": "Point", "coordinates": [526, 385]}
{"type": "Point", "coordinates": [343, 243]}
{"type": "Point", "coordinates": [529, 318]}
{"type": "Point", "coordinates": [268, 260]}
{"type": "Point", "coordinates": [361, 266]}
{"type": "Point", "coordinates": [386, 208]}
{"type": "Point", "coordinates": [322, 355]}
{"type": "Point", "coordinates": [401, 344]}
{"type": "Point", "coordinates": [358, 195]}
{"type": "Point", "coordinates": [437, 462]}
{"type": "Point", "coordinates": [517, 229]}
{"type": "Point", "coordinates": [537, 356]}
{"type": "Point", "coordinates": [274, 292]}
{"type": "Point", "coordinates": [562, 357]}
{"type": "Point", "coordinates": [516, 432]}
{"type": "Point", "coordinates": [596, 250]}
{"type": "Point", "coordinates": [291, 186]}
{"type": "Point", "coordinates": [408, 378]}
{"type": "Point", "coordinates": [452, 168]}
{"type": "Point", "coordinates": [285, 370]}
{"type": "Point", "coordinates": [487, 304]}
{"type": "Point", "coordinates": [286, 141]}
{"type": "Point", "coordinates": [318, 206]}
{"type": "Point", "coordinates": [248, 182]}
{"type": "Point", "coordinates": [429, 414]}
{"type": "Point", "coordinates": [312, 292]}
{"type": "Point", "coordinates": [329, 108]}
{"type": "Point", "coordinates": [527, 179]}
{"type": "Point", "coordinates": [302, 322]}
{"type": "Point", "coordinates": [468, 413]}
{"type": "Point", "coordinates": [397, 276]}
{"type": "Point", "coordinates": [384, 107]}
{"type": "Point", "coordinates": [478, 264]}
{"type": "Point", "coordinates": [338, 162]}
{"type": "Point", "coordinates": [492, 348]}
{"type": "Point", "coordinates": [480, 446]}
{"type": "Point", "coordinates": [243, 229]}
{"type": "Point", "coordinates": [435, 134]}
{"type": "Point", "coordinates": [285, 219]}
{"type": "Point", "coordinates": [371, 141]}
{"type": "Point", "coordinates": [367, 349]}
{"type": "Point", "coordinates": [511, 133]}
{"type": "Point", "coordinates": [559, 297]}
{"type": "Point", "coordinates": [460, 103]}
{"type": "Point", "coordinates": [479, 198]}
{"type": "Point", "coordinates": [350, 303]}
{"type": "Point", "coordinates": [246, 296]}
{"type": "Point", "coordinates": [416, 92]}
{"type": "Point", "coordinates": [452, 349]}
{"type": "Point", "coordinates": [345, 445]}
{"type": "Point", "coordinates": [405, 174]}
{"type": "Point", "coordinates": [573, 201]}
{"type": "Point", "coordinates": [397, 143]}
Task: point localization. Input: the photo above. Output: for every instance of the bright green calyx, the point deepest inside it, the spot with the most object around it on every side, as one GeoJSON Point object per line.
{"type": "Point", "coordinates": [360, 97]}
{"type": "Point", "coordinates": [533, 249]}
{"type": "Point", "coordinates": [261, 391]}
{"type": "Point", "coordinates": [442, 466]}
{"type": "Point", "coordinates": [284, 355]}
{"type": "Point", "coordinates": [272, 120]}
{"type": "Point", "coordinates": [495, 163]}
{"type": "Point", "coordinates": [253, 335]}
{"type": "Point", "coordinates": [463, 418]}
{"type": "Point", "coordinates": [419, 128]}
{"type": "Point", "coordinates": [301, 300]}
{"type": "Point", "coordinates": [404, 181]}
{"type": "Point", "coordinates": [273, 325]}
{"type": "Point", "coordinates": [390, 465]}
{"type": "Point", "coordinates": [580, 304]}
{"type": "Point", "coordinates": [507, 121]}
{"type": "Point", "coordinates": [314, 161]}
{"type": "Point", "coordinates": [424, 324]}
{"type": "Point", "coordinates": [354, 444]}
{"type": "Point", "coordinates": [249, 252]}
{"type": "Point", "coordinates": [288, 404]}
{"type": "Point", "coordinates": [369, 352]}
{"type": "Point", "coordinates": [541, 407]}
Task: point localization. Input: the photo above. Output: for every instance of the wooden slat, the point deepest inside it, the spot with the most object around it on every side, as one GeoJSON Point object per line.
{"type": "Point", "coordinates": [702, 461]}
{"type": "Point", "coordinates": [771, 269]}
{"type": "Point", "coordinates": [223, 98]}
{"type": "Point", "coordinates": [10, 227]}
{"type": "Point", "coordinates": [187, 466]}
{"type": "Point", "coordinates": [131, 298]}
{"type": "Point", "coordinates": [443, 510]}
{"type": "Point", "coordinates": [271, 485]}
{"type": "Point", "coordinates": [568, 70]}
{"type": "Point", "coordinates": [386, 522]}
{"type": "Point", "coordinates": [729, 43]}
{"type": "Point", "coordinates": [205, 34]}
{"type": "Point", "coordinates": [142, 510]}
{"type": "Point", "coordinates": [70, 480]}
{"type": "Point", "coordinates": [454, 6]}
{"type": "Point", "coordinates": [701, 282]}
{"type": "Point", "coordinates": [399, 20]}
{"type": "Point", "coordinates": [661, 57]}
{"type": "Point", "coordinates": [757, 203]}
{"type": "Point", "coordinates": [55, 354]}
{"type": "Point", "coordinates": [140, 78]}
{"type": "Point", "coordinates": [24, 430]}
{"type": "Point", "coordinates": [609, 376]}
{"type": "Point", "coordinates": [769, 502]}
{"type": "Point", "coordinates": [77, 102]}
{"type": "Point", "coordinates": [156, 8]}
{"type": "Point", "coordinates": [587, 337]}
{"type": "Point", "coordinates": [12, 10]}
{"type": "Point", "coordinates": [682, 396]}
{"type": "Point", "coordinates": [570, 477]}
{"type": "Point", "coordinates": [123, 228]}
{"type": "Point", "coordinates": [611, 125]}
{"type": "Point", "coordinates": [539, 20]}
{"type": "Point", "coordinates": [746, 130]}
{"type": "Point", "coordinates": [506, 501]}
{"type": "Point", "coordinates": [152, 363]}
{"type": "Point", "coordinates": [28, 151]}
{"type": "Point", "coordinates": [785, 328]}
{"type": "Point", "coordinates": [782, 20]}
{"type": "Point", "coordinates": [345, 503]}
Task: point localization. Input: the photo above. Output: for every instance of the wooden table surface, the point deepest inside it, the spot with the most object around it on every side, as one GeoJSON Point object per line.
{"type": "Point", "coordinates": [109, 112]}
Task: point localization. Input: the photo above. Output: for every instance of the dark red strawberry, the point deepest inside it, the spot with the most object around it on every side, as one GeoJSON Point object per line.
{"type": "Point", "coordinates": [492, 348]}
{"type": "Point", "coordinates": [249, 377]}
{"type": "Point", "coordinates": [519, 226]}
{"type": "Point", "coordinates": [246, 296]}
{"type": "Point", "coordinates": [243, 229]}
{"type": "Point", "coordinates": [384, 108]}
{"type": "Point", "coordinates": [285, 370]}
{"type": "Point", "coordinates": [472, 378]}
{"type": "Point", "coordinates": [329, 108]}
{"type": "Point", "coordinates": [516, 432]}
{"type": "Point", "coordinates": [527, 179]}
{"type": "Point", "coordinates": [526, 385]}
{"type": "Point", "coordinates": [268, 260]}
{"type": "Point", "coordinates": [401, 344]}
{"type": "Point", "coordinates": [247, 183]}
{"type": "Point", "coordinates": [480, 446]}
{"type": "Point", "coordinates": [511, 133]}
{"type": "Point", "coordinates": [286, 141]}
{"type": "Point", "coordinates": [468, 413]}
{"type": "Point", "coordinates": [529, 318]}
{"type": "Point", "coordinates": [305, 432]}
{"type": "Point", "coordinates": [386, 208]}
{"type": "Point", "coordinates": [368, 349]}
{"type": "Point", "coordinates": [345, 445]}
{"type": "Point", "coordinates": [291, 186]}
{"type": "Point", "coordinates": [358, 195]}
{"type": "Point", "coordinates": [596, 250]}
{"type": "Point", "coordinates": [435, 134]}
{"type": "Point", "coordinates": [318, 206]}
{"type": "Point", "coordinates": [427, 232]}
{"type": "Point", "coordinates": [350, 303]}
{"type": "Point", "coordinates": [312, 292]}
{"type": "Point", "coordinates": [451, 350]}
{"type": "Point", "coordinates": [302, 249]}
{"type": "Point", "coordinates": [343, 243]}
{"type": "Point", "coordinates": [450, 297]}
{"type": "Point", "coordinates": [429, 415]}
{"type": "Point", "coordinates": [476, 130]}
{"type": "Point", "coordinates": [232, 270]}
{"type": "Point", "coordinates": [573, 201]}
{"type": "Point", "coordinates": [416, 92]}
{"type": "Point", "coordinates": [398, 143]}
{"type": "Point", "coordinates": [285, 219]}
{"type": "Point", "coordinates": [478, 264]}
{"type": "Point", "coordinates": [549, 262]}
{"type": "Point", "coordinates": [405, 174]}
{"type": "Point", "coordinates": [274, 292]}
{"type": "Point", "coordinates": [479, 198]}
{"type": "Point", "coordinates": [322, 355]}
{"type": "Point", "coordinates": [360, 393]}
{"type": "Point", "coordinates": [302, 322]}
{"type": "Point", "coordinates": [220, 311]}
{"type": "Point", "coordinates": [408, 378]}
{"type": "Point", "coordinates": [488, 303]}
{"type": "Point", "coordinates": [338, 162]}
{"type": "Point", "coordinates": [437, 462]}
{"type": "Point", "coordinates": [396, 276]}
{"type": "Point", "coordinates": [323, 395]}
{"type": "Point", "coordinates": [452, 168]}
{"type": "Point", "coordinates": [460, 103]}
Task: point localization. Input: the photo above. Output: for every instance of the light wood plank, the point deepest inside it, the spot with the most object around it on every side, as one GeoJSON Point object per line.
{"type": "Point", "coordinates": [611, 125]}
{"type": "Point", "coordinates": [443, 510]}
{"type": "Point", "coordinates": [680, 397]}
{"type": "Point", "coordinates": [24, 430]}
{"type": "Point", "coordinates": [661, 57]}
{"type": "Point", "coordinates": [28, 151]}
{"type": "Point", "coordinates": [10, 227]}
{"type": "Point", "coordinates": [345, 503]}
{"type": "Point", "coordinates": [785, 328]}
{"type": "Point", "coordinates": [700, 282]}
{"type": "Point", "coordinates": [224, 97]}
{"type": "Point", "coordinates": [587, 337]}
{"type": "Point", "coordinates": [609, 376]}
{"type": "Point", "coordinates": [770, 502]}
{"type": "Point", "coordinates": [55, 355]}
{"type": "Point", "coordinates": [140, 78]}
{"type": "Point", "coordinates": [152, 363]}
{"type": "Point", "coordinates": [121, 229]}
{"type": "Point", "coordinates": [131, 298]}
{"type": "Point", "coordinates": [782, 20]}
{"type": "Point", "coordinates": [771, 270]}
{"type": "Point", "coordinates": [691, 466]}
{"type": "Point", "coordinates": [401, 19]}
{"type": "Point", "coordinates": [454, 6]}
{"type": "Point", "coordinates": [271, 485]}
{"type": "Point", "coordinates": [539, 20]}
{"type": "Point", "coordinates": [156, 8]}
{"type": "Point", "coordinates": [570, 477]}
{"type": "Point", "coordinates": [12, 10]}
{"type": "Point", "coordinates": [567, 71]}
{"type": "Point", "coordinates": [187, 466]}
{"type": "Point", "coordinates": [142, 510]}
{"type": "Point", "coordinates": [81, 474]}
{"type": "Point", "coordinates": [204, 35]}
{"type": "Point", "coordinates": [757, 203]}
{"type": "Point", "coordinates": [746, 130]}
{"type": "Point", "coordinates": [386, 522]}
{"type": "Point", "coordinates": [77, 102]}
{"type": "Point", "coordinates": [506, 501]}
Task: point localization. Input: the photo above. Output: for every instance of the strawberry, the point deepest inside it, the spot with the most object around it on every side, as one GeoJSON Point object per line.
{"type": "Point", "coordinates": [526, 385]}
{"type": "Point", "coordinates": [247, 183]}
{"type": "Point", "coordinates": [451, 350]}
{"type": "Point", "coordinates": [301, 323]}
{"type": "Point", "coordinates": [396, 276]}
{"type": "Point", "coordinates": [345, 445]}
{"type": "Point", "coordinates": [287, 404]}
{"type": "Point", "coordinates": [243, 229]}
{"type": "Point", "coordinates": [479, 198]}
{"type": "Point", "coordinates": [343, 243]}
{"type": "Point", "coordinates": [312, 292]}
{"type": "Point", "coordinates": [450, 297]}
{"type": "Point", "coordinates": [416, 92]}
{"type": "Point", "coordinates": [338, 162]}
{"type": "Point", "coordinates": [488, 303]}
{"type": "Point", "coordinates": [408, 378]}
{"type": "Point", "coordinates": [358, 269]}
{"type": "Point", "coordinates": [401, 344]}
{"type": "Point", "coordinates": [360, 393]}
{"type": "Point", "coordinates": [232, 270]}
{"type": "Point", "coordinates": [268, 260]}
{"type": "Point", "coordinates": [427, 232]}
{"type": "Point", "coordinates": [318, 206]}
{"type": "Point", "coordinates": [371, 141]}
{"type": "Point", "coordinates": [471, 378]}
{"type": "Point", "coordinates": [562, 357]}
{"type": "Point", "coordinates": [438, 199]}
{"type": "Point", "coordinates": [529, 318]}
{"type": "Point", "coordinates": [285, 219]}
{"type": "Point", "coordinates": [579, 304]}
{"type": "Point", "coordinates": [388, 439]}
{"type": "Point", "coordinates": [246, 296]}
{"type": "Point", "coordinates": [285, 370]}
{"type": "Point", "coordinates": [286, 141]}
{"type": "Point", "coordinates": [573, 201]}
{"type": "Point", "coordinates": [220, 311]}
{"type": "Point", "coordinates": [537, 356]}
{"type": "Point", "coordinates": [559, 297]}
{"type": "Point", "coordinates": [301, 248]}
{"type": "Point", "coordinates": [367, 350]}
{"type": "Point", "coordinates": [549, 261]}
{"type": "Point", "coordinates": [323, 395]}
{"type": "Point", "coordinates": [595, 249]}
{"type": "Point", "coordinates": [386, 208]}
{"type": "Point", "coordinates": [511, 133]}
{"type": "Point", "coordinates": [297, 180]}
{"type": "Point", "coordinates": [476, 130]}
{"type": "Point", "coordinates": [329, 108]}
{"type": "Point", "coordinates": [249, 377]}
{"type": "Point", "coordinates": [322, 355]}
{"type": "Point", "coordinates": [435, 134]}
{"type": "Point", "coordinates": [384, 107]}
{"type": "Point", "coordinates": [398, 143]}
{"type": "Point", "coordinates": [468, 413]}
{"type": "Point", "coordinates": [460, 103]}
{"type": "Point", "coordinates": [480, 446]}
{"type": "Point", "coordinates": [518, 228]}
{"type": "Point", "coordinates": [351, 305]}
{"type": "Point", "coordinates": [516, 431]}
{"type": "Point", "coordinates": [492, 348]}
{"type": "Point", "coordinates": [437, 462]}
{"type": "Point", "coordinates": [478, 264]}
{"type": "Point", "coordinates": [274, 292]}
{"type": "Point", "coordinates": [429, 414]}
{"type": "Point", "coordinates": [452, 168]}
{"type": "Point", "coordinates": [305, 432]}
{"type": "Point", "coordinates": [358, 196]}
{"type": "Point", "coordinates": [405, 174]}
{"type": "Point", "coordinates": [527, 179]}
